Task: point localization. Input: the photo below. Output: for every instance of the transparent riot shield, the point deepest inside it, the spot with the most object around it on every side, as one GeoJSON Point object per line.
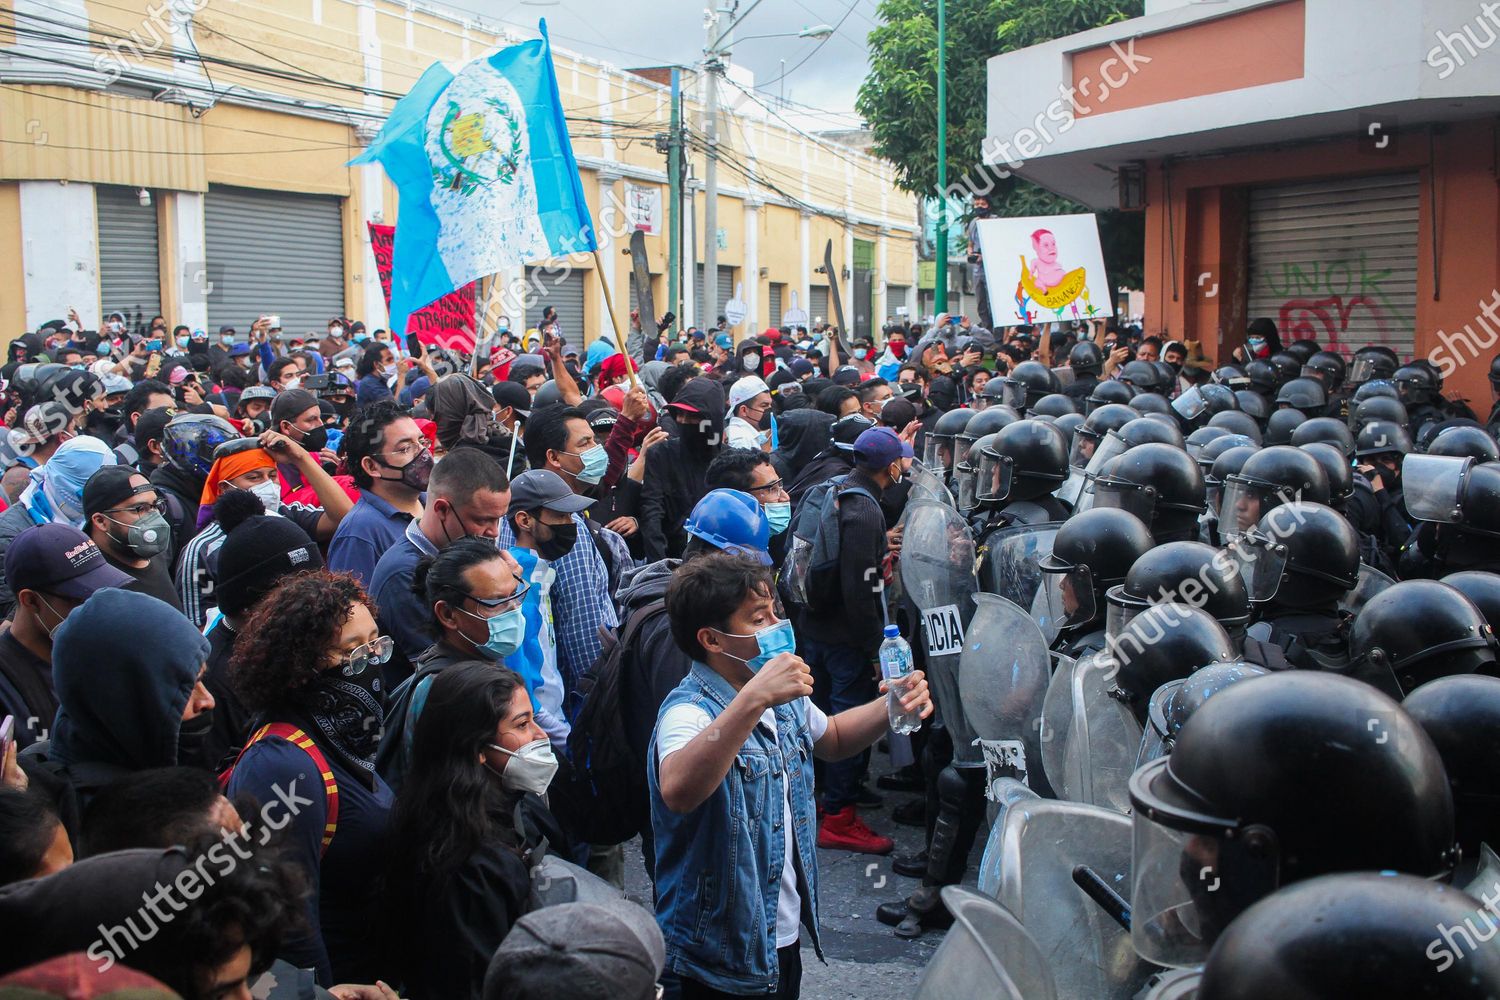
{"type": "Point", "coordinates": [1010, 559]}
{"type": "Point", "coordinates": [1433, 486]}
{"type": "Point", "coordinates": [1072, 488]}
{"type": "Point", "coordinates": [1371, 582]}
{"type": "Point", "coordinates": [1035, 850]}
{"type": "Point", "coordinates": [1002, 680]}
{"type": "Point", "coordinates": [937, 574]}
{"type": "Point", "coordinates": [986, 954]}
{"type": "Point", "coordinates": [927, 485]}
{"type": "Point", "coordinates": [1103, 738]}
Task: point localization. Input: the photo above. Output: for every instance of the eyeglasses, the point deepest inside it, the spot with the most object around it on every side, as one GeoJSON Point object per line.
{"type": "Point", "coordinates": [375, 652]}
{"type": "Point", "coordinates": [768, 488]}
{"type": "Point", "coordinates": [141, 509]}
{"type": "Point", "coordinates": [499, 605]}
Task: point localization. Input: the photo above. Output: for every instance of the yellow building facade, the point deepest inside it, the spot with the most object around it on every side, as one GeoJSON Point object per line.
{"type": "Point", "coordinates": [188, 157]}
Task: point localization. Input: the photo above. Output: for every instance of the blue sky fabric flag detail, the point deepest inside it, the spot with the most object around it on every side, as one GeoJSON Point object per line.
{"type": "Point", "coordinates": [484, 170]}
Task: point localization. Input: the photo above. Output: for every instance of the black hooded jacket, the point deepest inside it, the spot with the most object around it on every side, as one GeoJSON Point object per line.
{"type": "Point", "coordinates": [675, 470]}
{"type": "Point", "coordinates": [800, 436]}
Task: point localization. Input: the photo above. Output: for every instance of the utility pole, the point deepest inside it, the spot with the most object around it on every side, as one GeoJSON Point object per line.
{"type": "Point", "coordinates": [674, 206]}
{"type": "Point", "coordinates": [940, 277]}
{"type": "Point", "coordinates": [711, 66]}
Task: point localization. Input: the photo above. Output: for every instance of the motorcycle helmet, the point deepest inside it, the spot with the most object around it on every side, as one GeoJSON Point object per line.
{"type": "Point", "coordinates": [190, 439]}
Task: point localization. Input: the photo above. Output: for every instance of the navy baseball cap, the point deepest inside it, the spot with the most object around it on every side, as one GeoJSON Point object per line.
{"type": "Point", "coordinates": [59, 559]}
{"type": "Point", "coordinates": [537, 488]}
{"type": "Point", "coordinates": [877, 448]}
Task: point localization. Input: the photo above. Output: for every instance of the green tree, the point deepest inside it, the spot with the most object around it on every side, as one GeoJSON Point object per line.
{"type": "Point", "coordinates": [899, 101]}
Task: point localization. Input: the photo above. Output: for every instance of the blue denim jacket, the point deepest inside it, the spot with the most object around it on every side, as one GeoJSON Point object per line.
{"type": "Point", "coordinates": [718, 868]}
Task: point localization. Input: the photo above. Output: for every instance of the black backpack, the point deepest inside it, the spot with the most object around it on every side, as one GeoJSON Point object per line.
{"type": "Point", "coordinates": [600, 795]}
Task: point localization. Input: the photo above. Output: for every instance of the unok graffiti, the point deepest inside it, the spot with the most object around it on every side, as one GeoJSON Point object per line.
{"type": "Point", "coordinates": [1323, 298]}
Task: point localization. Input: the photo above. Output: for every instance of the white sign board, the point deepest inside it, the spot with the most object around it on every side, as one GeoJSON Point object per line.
{"type": "Point", "coordinates": [945, 630]}
{"type": "Point", "coordinates": [794, 316]}
{"type": "Point", "coordinates": [643, 202]}
{"type": "Point", "coordinates": [1044, 269]}
{"type": "Point", "coordinates": [734, 309]}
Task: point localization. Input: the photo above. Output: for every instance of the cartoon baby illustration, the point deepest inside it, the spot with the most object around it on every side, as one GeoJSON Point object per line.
{"type": "Point", "coordinates": [1046, 272]}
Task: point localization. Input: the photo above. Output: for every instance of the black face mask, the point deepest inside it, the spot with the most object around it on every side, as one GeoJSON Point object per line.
{"type": "Point", "coordinates": [314, 440]}
{"type": "Point", "coordinates": [414, 473]}
{"type": "Point", "coordinates": [191, 737]}
{"type": "Point", "coordinates": [561, 541]}
{"type": "Point", "coordinates": [104, 423]}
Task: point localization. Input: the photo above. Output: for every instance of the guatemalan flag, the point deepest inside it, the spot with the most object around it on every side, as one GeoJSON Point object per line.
{"type": "Point", "coordinates": [485, 173]}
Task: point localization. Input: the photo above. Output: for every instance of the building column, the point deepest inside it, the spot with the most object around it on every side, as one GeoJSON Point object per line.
{"type": "Point", "coordinates": [60, 252]}
{"type": "Point", "coordinates": [195, 277]}
{"type": "Point", "coordinates": [753, 206]}
{"type": "Point", "coordinates": [610, 219]}
{"type": "Point", "coordinates": [804, 296]}
{"type": "Point", "coordinates": [881, 305]}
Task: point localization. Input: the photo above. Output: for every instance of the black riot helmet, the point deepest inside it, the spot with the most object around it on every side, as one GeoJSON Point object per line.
{"type": "Point", "coordinates": [1163, 642]}
{"type": "Point", "coordinates": [1340, 473]}
{"type": "Point", "coordinates": [1191, 573]}
{"type": "Point", "coordinates": [1023, 461]}
{"type": "Point", "coordinates": [1461, 713]}
{"type": "Point", "coordinates": [1199, 404]}
{"type": "Point", "coordinates": [1143, 430]}
{"type": "Point", "coordinates": [1495, 373]}
{"type": "Point", "coordinates": [1054, 405]}
{"type": "Point", "coordinates": [1107, 392]}
{"type": "Point", "coordinates": [1322, 553]}
{"type": "Point", "coordinates": [1280, 425]}
{"type": "Point", "coordinates": [1273, 781]}
{"type": "Point", "coordinates": [937, 443]}
{"type": "Point", "coordinates": [1229, 461]}
{"type": "Point", "coordinates": [985, 422]}
{"type": "Point", "coordinates": [1142, 376]}
{"type": "Point", "coordinates": [1263, 377]}
{"type": "Point", "coordinates": [1374, 388]}
{"type": "Point", "coordinates": [1382, 437]}
{"type": "Point", "coordinates": [1328, 368]}
{"type": "Point", "coordinates": [1210, 452]}
{"type": "Point", "coordinates": [1109, 417]}
{"type": "Point", "coordinates": [1232, 376]}
{"type": "Point", "coordinates": [1377, 408]}
{"type": "Point", "coordinates": [1305, 394]}
{"type": "Point", "coordinates": [1417, 384]}
{"type": "Point", "coordinates": [1328, 430]}
{"type": "Point", "coordinates": [1473, 442]}
{"type": "Point", "coordinates": [1372, 363]}
{"type": "Point", "coordinates": [1270, 477]}
{"type": "Point", "coordinates": [1481, 587]}
{"type": "Point", "coordinates": [1093, 550]}
{"type": "Point", "coordinates": [1028, 382]}
{"type": "Point", "coordinates": [1202, 436]}
{"type": "Point", "coordinates": [1086, 359]}
{"type": "Point", "coordinates": [1453, 490]}
{"type": "Point", "coordinates": [1175, 702]}
{"type": "Point", "coordinates": [1420, 630]}
{"type": "Point", "coordinates": [1069, 423]}
{"type": "Point", "coordinates": [1287, 367]}
{"type": "Point", "coordinates": [1367, 934]}
{"type": "Point", "coordinates": [993, 394]}
{"type": "Point", "coordinates": [1302, 350]}
{"type": "Point", "coordinates": [1254, 404]}
{"type": "Point", "coordinates": [1160, 484]}
{"type": "Point", "coordinates": [1237, 422]}
{"type": "Point", "coordinates": [1151, 402]}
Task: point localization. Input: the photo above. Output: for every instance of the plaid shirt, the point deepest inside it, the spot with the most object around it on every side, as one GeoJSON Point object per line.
{"type": "Point", "coordinates": [581, 605]}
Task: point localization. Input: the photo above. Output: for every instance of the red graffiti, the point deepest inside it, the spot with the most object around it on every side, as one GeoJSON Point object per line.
{"type": "Point", "coordinates": [1325, 320]}
{"type": "Point", "coordinates": [448, 322]}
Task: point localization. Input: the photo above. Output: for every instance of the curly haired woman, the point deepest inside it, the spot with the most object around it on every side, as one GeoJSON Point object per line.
{"type": "Point", "coordinates": [312, 681]}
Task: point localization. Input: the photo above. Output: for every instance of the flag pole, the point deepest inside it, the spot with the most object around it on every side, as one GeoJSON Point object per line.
{"type": "Point", "coordinates": [609, 305]}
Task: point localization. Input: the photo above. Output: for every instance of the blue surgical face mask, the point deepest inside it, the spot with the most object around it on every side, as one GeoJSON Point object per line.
{"type": "Point", "coordinates": [595, 461]}
{"type": "Point", "coordinates": [780, 516]}
{"type": "Point", "coordinates": [773, 640]}
{"type": "Point", "coordinates": [181, 341]}
{"type": "Point", "coordinates": [507, 630]}
{"type": "Point", "coordinates": [860, 353]}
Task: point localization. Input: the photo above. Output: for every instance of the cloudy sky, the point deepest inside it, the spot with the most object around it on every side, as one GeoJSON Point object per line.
{"type": "Point", "coordinates": [662, 32]}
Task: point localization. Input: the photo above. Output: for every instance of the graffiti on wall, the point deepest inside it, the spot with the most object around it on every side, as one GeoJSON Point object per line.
{"type": "Point", "coordinates": [1324, 300]}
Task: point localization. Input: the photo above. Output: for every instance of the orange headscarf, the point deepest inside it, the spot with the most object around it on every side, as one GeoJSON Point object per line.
{"type": "Point", "coordinates": [231, 466]}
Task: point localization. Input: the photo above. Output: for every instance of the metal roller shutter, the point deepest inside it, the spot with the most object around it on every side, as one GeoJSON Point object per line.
{"type": "Point", "coordinates": [562, 289]}
{"type": "Point", "coordinates": [129, 256]}
{"type": "Point", "coordinates": [273, 252]}
{"type": "Point", "coordinates": [897, 297]}
{"type": "Point", "coordinates": [776, 296]}
{"type": "Point", "coordinates": [723, 293]}
{"type": "Point", "coordinates": [1336, 261]}
{"type": "Point", "coordinates": [817, 304]}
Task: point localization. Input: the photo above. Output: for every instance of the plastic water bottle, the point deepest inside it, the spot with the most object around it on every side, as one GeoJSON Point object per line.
{"type": "Point", "coordinates": [895, 666]}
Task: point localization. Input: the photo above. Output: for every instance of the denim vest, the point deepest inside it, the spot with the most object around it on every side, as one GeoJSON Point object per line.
{"type": "Point", "coordinates": [718, 868]}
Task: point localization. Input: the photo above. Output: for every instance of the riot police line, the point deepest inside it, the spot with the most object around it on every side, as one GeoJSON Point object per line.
{"type": "Point", "coordinates": [1225, 687]}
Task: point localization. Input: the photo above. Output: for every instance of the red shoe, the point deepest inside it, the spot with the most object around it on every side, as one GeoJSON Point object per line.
{"type": "Point", "coordinates": [845, 831]}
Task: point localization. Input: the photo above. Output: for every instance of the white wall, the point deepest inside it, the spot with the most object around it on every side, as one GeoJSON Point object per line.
{"type": "Point", "coordinates": [59, 252]}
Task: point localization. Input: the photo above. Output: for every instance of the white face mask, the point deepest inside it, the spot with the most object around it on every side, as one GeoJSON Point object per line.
{"type": "Point", "coordinates": [269, 493]}
{"type": "Point", "coordinates": [335, 331]}
{"type": "Point", "coordinates": [291, 383]}
{"type": "Point", "coordinates": [530, 769]}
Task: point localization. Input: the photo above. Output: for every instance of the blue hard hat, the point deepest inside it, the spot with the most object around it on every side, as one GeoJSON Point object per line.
{"type": "Point", "coordinates": [732, 521]}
